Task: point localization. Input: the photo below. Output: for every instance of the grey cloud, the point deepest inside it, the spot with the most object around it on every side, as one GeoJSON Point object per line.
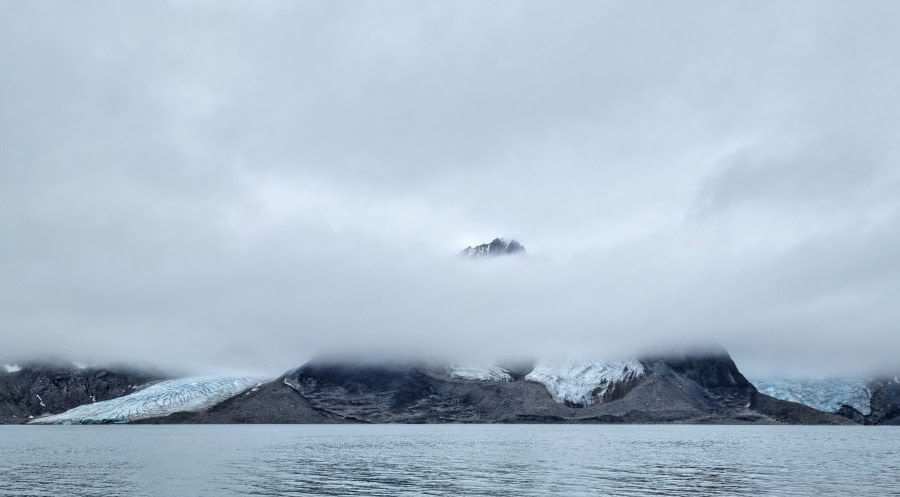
{"type": "Point", "coordinates": [235, 185]}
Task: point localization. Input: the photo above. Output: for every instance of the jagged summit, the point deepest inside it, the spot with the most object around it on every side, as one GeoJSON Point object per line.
{"type": "Point", "coordinates": [498, 246]}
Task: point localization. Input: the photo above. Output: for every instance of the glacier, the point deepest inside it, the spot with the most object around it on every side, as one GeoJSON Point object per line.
{"type": "Point", "coordinates": [582, 382]}
{"type": "Point", "coordinates": [158, 399]}
{"type": "Point", "coordinates": [479, 372]}
{"type": "Point", "coordinates": [823, 394]}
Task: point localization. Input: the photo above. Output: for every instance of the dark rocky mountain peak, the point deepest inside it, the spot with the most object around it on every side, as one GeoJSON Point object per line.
{"type": "Point", "coordinates": [498, 246]}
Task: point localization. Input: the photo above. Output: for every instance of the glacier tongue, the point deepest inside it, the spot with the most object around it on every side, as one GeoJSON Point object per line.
{"type": "Point", "coordinates": [479, 372]}
{"type": "Point", "coordinates": [825, 395]}
{"type": "Point", "coordinates": [583, 382]}
{"type": "Point", "coordinates": [159, 399]}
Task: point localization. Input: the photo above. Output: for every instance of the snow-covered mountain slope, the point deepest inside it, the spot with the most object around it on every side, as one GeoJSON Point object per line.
{"type": "Point", "coordinates": [498, 246]}
{"type": "Point", "coordinates": [825, 395]}
{"type": "Point", "coordinates": [159, 399]}
{"type": "Point", "coordinates": [479, 372]}
{"type": "Point", "coordinates": [12, 368]}
{"type": "Point", "coordinates": [584, 382]}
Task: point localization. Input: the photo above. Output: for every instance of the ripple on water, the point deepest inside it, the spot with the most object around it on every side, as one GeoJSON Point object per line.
{"type": "Point", "coordinates": [521, 460]}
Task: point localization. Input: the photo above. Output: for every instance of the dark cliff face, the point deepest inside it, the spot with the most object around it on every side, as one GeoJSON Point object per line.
{"type": "Point", "coordinates": [710, 369]}
{"type": "Point", "coordinates": [51, 389]}
{"type": "Point", "coordinates": [362, 391]}
{"type": "Point", "coordinates": [885, 402]}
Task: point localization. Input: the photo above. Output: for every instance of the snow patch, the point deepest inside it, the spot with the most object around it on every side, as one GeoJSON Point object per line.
{"type": "Point", "coordinates": [159, 399]}
{"type": "Point", "coordinates": [479, 372]}
{"type": "Point", "coordinates": [12, 368]}
{"type": "Point", "coordinates": [583, 382]}
{"type": "Point", "coordinates": [825, 394]}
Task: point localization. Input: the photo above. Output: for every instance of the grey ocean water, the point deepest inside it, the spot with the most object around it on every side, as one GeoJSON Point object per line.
{"type": "Point", "coordinates": [463, 460]}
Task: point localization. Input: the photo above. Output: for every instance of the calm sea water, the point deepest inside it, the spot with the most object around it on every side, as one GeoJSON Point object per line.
{"type": "Point", "coordinates": [488, 460]}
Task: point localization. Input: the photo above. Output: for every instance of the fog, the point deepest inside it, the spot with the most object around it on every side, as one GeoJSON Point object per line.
{"type": "Point", "coordinates": [215, 186]}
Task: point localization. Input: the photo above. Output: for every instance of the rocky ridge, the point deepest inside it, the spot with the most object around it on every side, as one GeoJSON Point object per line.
{"type": "Point", "coordinates": [33, 390]}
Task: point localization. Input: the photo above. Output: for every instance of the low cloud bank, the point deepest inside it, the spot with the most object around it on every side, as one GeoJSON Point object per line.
{"type": "Point", "coordinates": [211, 186]}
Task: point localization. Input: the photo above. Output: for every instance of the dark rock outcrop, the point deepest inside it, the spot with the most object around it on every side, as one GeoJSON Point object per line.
{"type": "Point", "coordinates": [710, 369]}
{"type": "Point", "coordinates": [885, 402]}
{"type": "Point", "coordinates": [36, 390]}
{"type": "Point", "coordinates": [851, 414]}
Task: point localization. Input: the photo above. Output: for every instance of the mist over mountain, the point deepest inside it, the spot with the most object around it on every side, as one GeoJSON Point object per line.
{"type": "Point", "coordinates": [679, 218]}
{"type": "Point", "coordinates": [302, 189]}
{"type": "Point", "coordinates": [698, 387]}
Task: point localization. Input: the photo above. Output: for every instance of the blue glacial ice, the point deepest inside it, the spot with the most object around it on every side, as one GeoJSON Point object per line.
{"type": "Point", "coordinates": [159, 399]}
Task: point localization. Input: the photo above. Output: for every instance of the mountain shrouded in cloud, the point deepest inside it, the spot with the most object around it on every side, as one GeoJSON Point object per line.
{"type": "Point", "coordinates": [498, 246]}
{"type": "Point", "coordinates": [223, 185]}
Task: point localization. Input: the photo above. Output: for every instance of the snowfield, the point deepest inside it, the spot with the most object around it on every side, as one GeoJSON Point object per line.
{"type": "Point", "coordinates": [583, 382]}
{"type": "Point", "coordinates": [479, 372]}
{"type": "Point", "coordinates": [159, 399]}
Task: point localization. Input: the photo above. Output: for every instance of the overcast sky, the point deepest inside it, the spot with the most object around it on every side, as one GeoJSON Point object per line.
{"type": "Point", "coordinates": [215, 185]}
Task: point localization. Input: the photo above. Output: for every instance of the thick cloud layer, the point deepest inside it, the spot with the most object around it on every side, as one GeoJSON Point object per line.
{"type": "Point", "coordinates": [243, 185]}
